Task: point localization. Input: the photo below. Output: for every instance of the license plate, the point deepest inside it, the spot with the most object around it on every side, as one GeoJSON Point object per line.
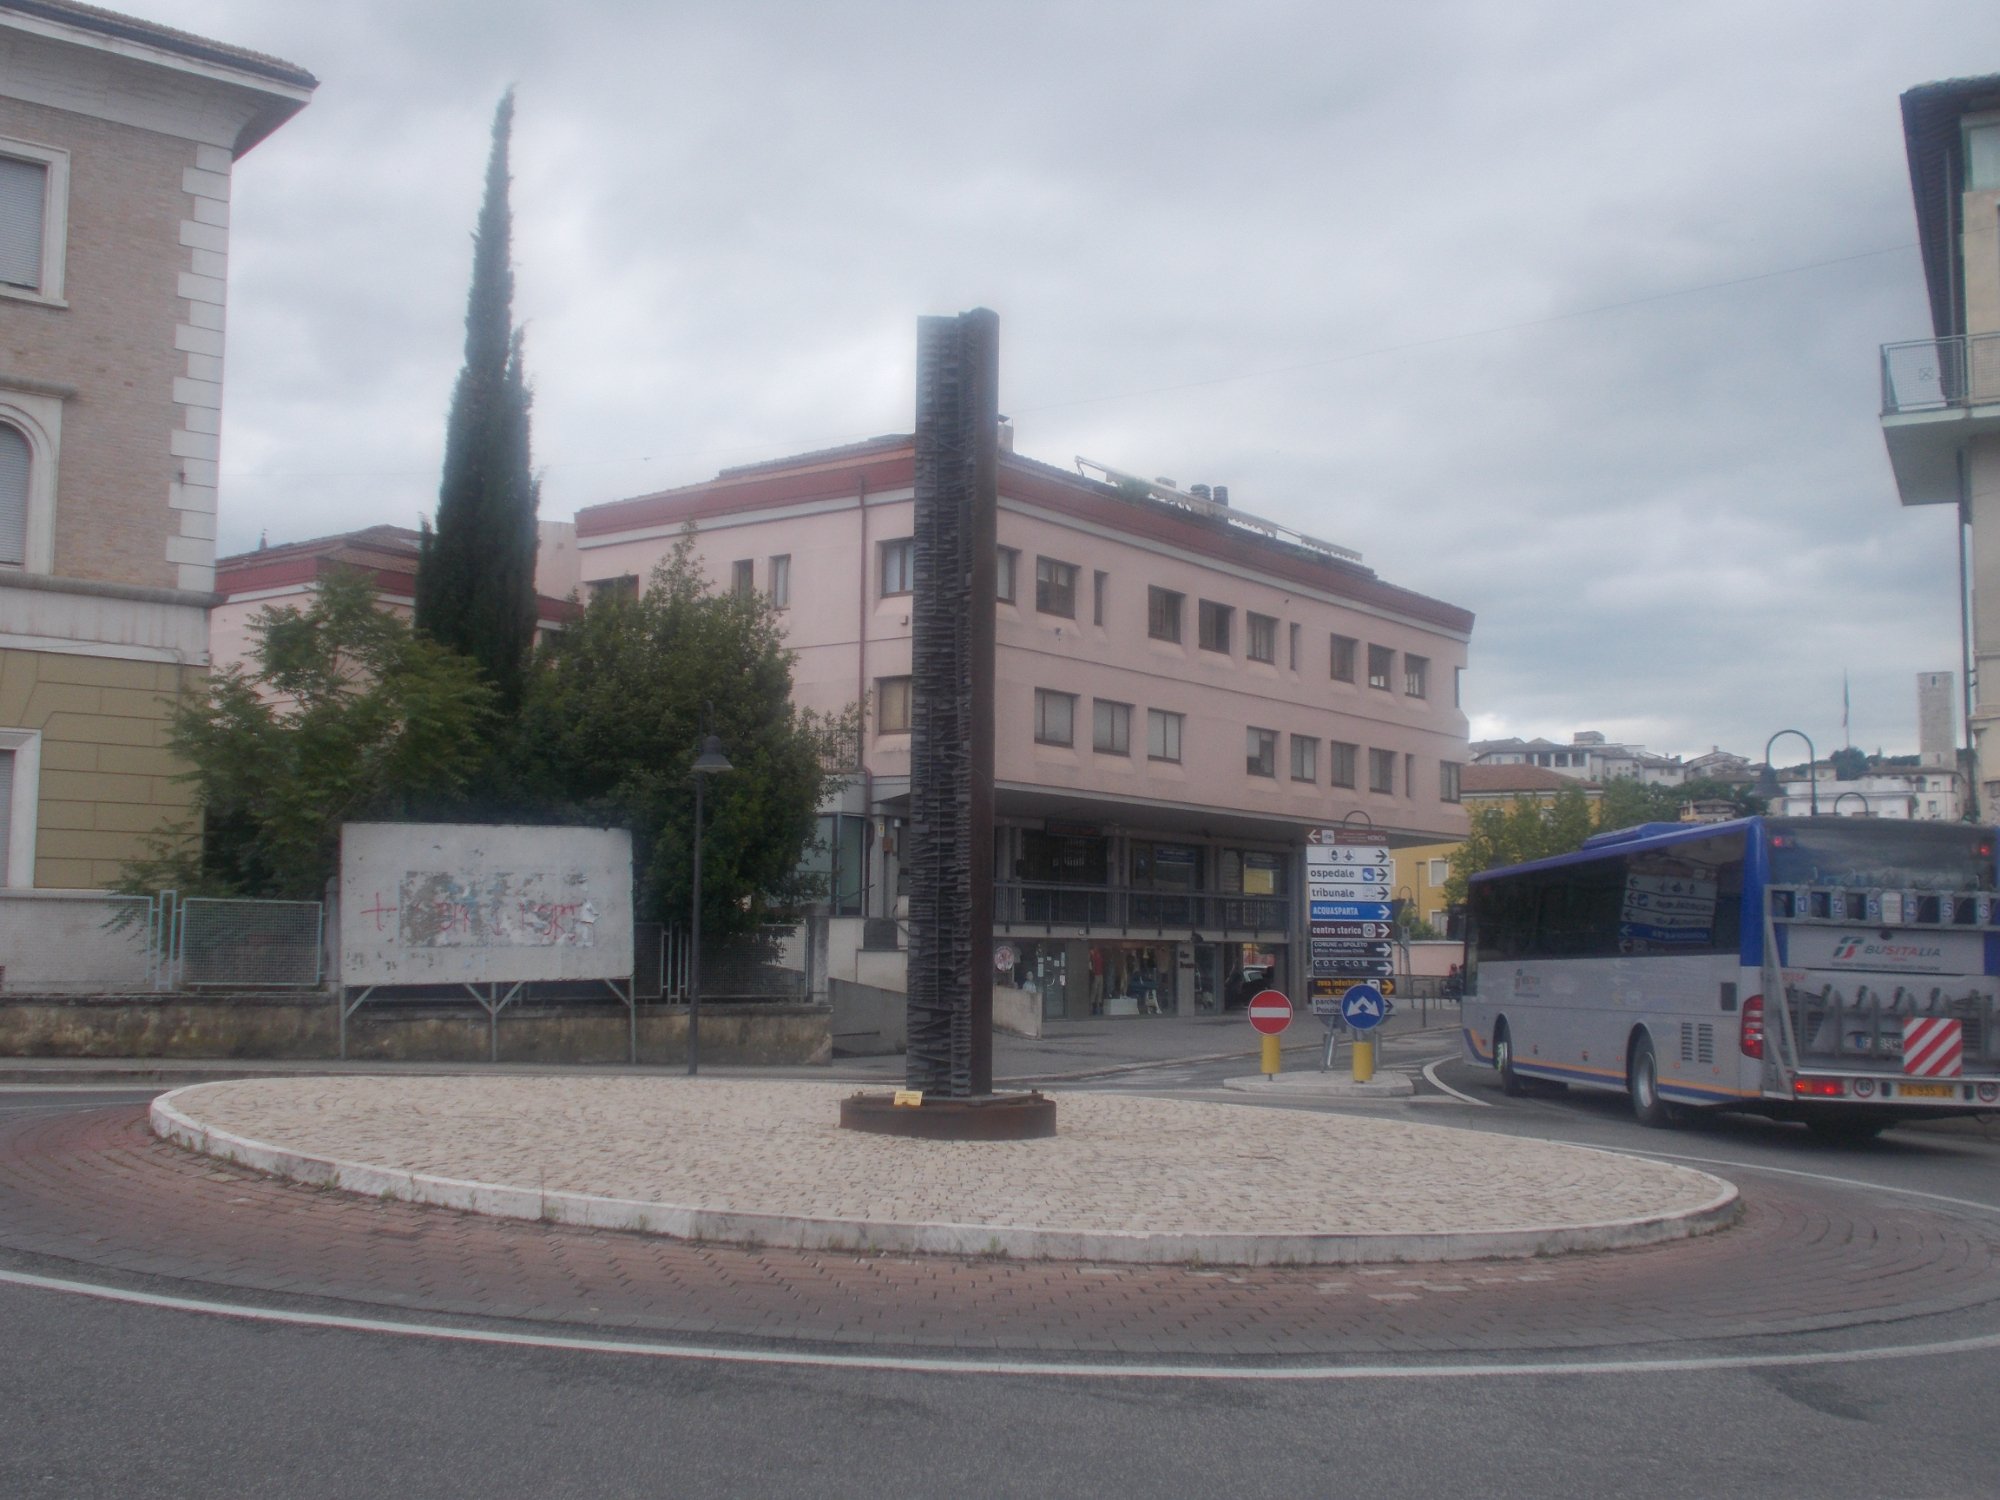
{"type": "Point", "coordinates": [1926, 1091]}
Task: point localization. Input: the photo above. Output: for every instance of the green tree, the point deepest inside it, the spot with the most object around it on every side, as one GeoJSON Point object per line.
{"type": "Point", "coordinates": [347, 714]}
{"type": "Point", "coordinates": [1849, 764]}
{"type": "Point", "coordinates": [616, 709]}
{"type": "Point", "coordinates": [476, 571]}
{"type": "Point", "coordinates": [1528, 828]}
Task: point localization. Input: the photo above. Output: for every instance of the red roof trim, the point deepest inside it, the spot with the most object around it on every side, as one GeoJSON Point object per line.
{"type": "Point", "coordinates": [890, 464]}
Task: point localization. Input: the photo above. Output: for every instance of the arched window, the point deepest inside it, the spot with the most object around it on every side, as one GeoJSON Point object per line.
{"type": "Point", "coordinates": [16, 471]}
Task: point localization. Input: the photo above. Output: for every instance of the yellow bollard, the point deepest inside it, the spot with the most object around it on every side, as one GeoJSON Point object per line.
{"type": "Point", "coordinates": [1363, 1054]}
{"type": "Point", "coordinates": [1270, 1057]}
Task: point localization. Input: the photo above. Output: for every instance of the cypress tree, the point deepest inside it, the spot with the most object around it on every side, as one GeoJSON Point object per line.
{"type": "Point", "coordinates": [476, 570]}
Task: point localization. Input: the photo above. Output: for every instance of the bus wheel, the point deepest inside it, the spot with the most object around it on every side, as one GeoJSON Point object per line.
{"type": "Point", "coordinates": [1511, 1083]}
{"type": "Point", "coordinates": [1644, 1080]}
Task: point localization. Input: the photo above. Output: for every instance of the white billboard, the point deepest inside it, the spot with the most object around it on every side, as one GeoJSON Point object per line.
{"type": "Point", "coordinates": [470, 903]}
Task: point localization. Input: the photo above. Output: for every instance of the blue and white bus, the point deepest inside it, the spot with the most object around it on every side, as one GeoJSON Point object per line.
{"type": "Point", "coordinates": [1840, 971]}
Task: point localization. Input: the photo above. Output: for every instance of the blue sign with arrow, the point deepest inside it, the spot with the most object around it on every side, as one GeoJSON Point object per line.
{"type": "Point", "coordinates": [1363, 1007]}
{"type": "Point", "coordinates": [1350, 911]}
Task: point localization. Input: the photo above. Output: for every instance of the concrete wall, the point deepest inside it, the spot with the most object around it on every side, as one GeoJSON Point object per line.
{"type": "Point", "coordinates": [867, 1021]}
{"type": "Point", "coordinates": [64, 941]}
{"type": "Point", "coordinates": [308, 1027]}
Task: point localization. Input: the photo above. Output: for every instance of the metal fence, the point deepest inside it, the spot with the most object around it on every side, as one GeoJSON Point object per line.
{"type": "Point", "coordinates": [1936, 374]}
{"type": "Point", "coordinates": [237, 944]}
{"type": "Point", "coordinates": [754, 966]}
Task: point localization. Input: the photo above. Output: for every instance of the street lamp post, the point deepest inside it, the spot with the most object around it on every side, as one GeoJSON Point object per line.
{"type": "Point", "coordinates": [706, 764]}
{"type": "Point", "coordinates": [1866, 810]}
{"type": "Point", "coordinates": [1767, 784]}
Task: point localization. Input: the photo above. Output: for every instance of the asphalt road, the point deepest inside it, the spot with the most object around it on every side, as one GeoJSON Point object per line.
{"type": "Point", "coordinates": [110, 1398]}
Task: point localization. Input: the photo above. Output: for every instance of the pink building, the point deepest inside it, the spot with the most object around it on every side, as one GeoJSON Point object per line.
{"type": "Point", "coordinates": [284, 577]}
{"type": "Point", "coordinates": [1182, 691]}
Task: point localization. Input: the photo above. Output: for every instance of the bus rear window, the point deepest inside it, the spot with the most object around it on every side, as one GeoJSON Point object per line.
{"type": "Point", "coordinates": [1889, 855]}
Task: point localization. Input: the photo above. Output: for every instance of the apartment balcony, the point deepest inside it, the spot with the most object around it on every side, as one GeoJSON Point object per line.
{"type": "Point", "coordinates": [1938, 397]}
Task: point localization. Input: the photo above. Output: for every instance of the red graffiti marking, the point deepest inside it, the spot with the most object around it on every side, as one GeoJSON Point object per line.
{"type": "Point", "coordinates": [378, 911]}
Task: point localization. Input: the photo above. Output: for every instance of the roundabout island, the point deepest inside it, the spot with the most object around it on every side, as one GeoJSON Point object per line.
{"type": "Point", "coordinates": [1127, 1179]}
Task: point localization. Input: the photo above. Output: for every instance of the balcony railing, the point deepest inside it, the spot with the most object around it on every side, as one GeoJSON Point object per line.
{"type": "Point", "coordinates": [1940, 374]}
{"type": "Point", "coordinates": [1029, 903]}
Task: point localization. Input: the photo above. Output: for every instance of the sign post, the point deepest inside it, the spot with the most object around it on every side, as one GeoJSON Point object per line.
{"type": "Point", "coordinates": [1363, 1008]}
{"type": "Point", "coordinates": [1270, 1013]}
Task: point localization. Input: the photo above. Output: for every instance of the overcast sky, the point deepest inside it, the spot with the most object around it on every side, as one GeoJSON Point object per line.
{"type": "Point", "coordinates": [1567, 313]}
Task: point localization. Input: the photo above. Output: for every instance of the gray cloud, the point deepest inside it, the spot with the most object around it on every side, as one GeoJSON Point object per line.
{"type": "Point", "coordinates": [1485, 291]}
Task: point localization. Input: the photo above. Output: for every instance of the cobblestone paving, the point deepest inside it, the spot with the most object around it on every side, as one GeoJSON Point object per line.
{"type": "Point", "coordinates": [95, 1189]}
{"type": "Point", "coordinates": [1119, 1162]}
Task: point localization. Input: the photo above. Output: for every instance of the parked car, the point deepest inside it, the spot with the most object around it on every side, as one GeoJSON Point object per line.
{"type": "Point", "coordinates": [1243, 983]}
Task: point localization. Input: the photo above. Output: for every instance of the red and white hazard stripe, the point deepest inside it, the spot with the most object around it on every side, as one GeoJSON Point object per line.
{"type": "Point", "coordinates": [1933, 1047]}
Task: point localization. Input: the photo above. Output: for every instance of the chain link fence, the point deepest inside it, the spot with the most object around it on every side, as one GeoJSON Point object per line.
{"type": "Point", "coordinates": [237, 944]}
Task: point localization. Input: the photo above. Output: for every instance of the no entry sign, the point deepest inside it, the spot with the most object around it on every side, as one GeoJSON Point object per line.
{"type": "Point", "coordinates": [1270, 1012]}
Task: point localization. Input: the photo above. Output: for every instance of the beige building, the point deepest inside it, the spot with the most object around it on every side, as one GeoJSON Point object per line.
{"type": "Point", "coordinates": [1182, 691]}
{"type": "Point", "coordinates": [1941, 395]}
{"type": "Point", "coordinates": [117, 141]}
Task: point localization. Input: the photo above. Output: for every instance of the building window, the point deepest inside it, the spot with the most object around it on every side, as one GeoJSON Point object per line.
{"type": "Point", "coordinates": [742, 578]}
{"type": "Point", "coordinates": [1263, 752]}
{"type": "Point", "coordinates": [20, 787]}
{"type": "Point", "coordinates": [899, 566]}
{"type": "Point", "coordinates": [1098, 580]}
{"type": "Point", "coordinates": [1982, 158]}
{"type": "Point", "coordinates": [1381, 662]}
{"type": "Point", "coordinates": [1295, 634]}
{"type": "Point", "coordinates": [1214, 628]}
{"type": "Point", "coordinates": [1305, 758]}
{"type": "Point", "coordinates": [16, 474]}
{"type": "Point", "coordinates": [1005, 565]}
{"type": "Point", "coordinates": [625, 586]}
{"type": "Point", "coordinates": [780, 580]}
{"type": "Point", "coordinates": [1382, 771]}
{"type": "Point", "coordinates": [1448, 781]}
{"type": "Point", "coordinates": [1458, 687]}
{"type": "Point", "coordinates": [34, 220]}
{"type": "Point", "coordinates": [1341, 759]}
{"type": "Point", "coordinates": [30, 438]}
{"type": "Point", "coordinates": [1112, 732]}
{"type": "Point", "coordinates": [1055, 717]}
{"type": "Point", "coordinates": [1436, 873]}
{"type": "Point", "coordinates": [1163, 735]}
{"type": "Point", "coordinates": [1055, 587]}
{"type": "Point", "coordinates": [892, 705]}
{"type": "Point", "coordinates": [1262, 644]}
{"type": "Point", "coordinates": [1163, 614]}
{"type": "Point", "coordinates": [1409, 776]}
{"type": "Point", "coordinates": [1416, 676]}
{"type": "Point", "coordinates": [1342, 669]}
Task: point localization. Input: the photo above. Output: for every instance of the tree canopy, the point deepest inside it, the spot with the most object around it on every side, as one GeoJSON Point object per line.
{"type": "Point", "coordinates": [345, 714]}
{"type": "Point", "coordinates": [616, 709]}
{"type": "Point", "coordinates": [476, 570]}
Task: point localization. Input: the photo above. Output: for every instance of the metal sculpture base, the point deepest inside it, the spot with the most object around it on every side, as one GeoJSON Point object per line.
{"type": "Point", "coordinates": [980, 1117]}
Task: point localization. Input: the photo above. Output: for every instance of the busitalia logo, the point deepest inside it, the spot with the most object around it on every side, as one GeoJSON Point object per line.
{"type": "Point", "coordinates": [1860, 948]}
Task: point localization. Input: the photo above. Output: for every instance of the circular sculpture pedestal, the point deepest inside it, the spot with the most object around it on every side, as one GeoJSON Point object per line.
{"type": "Point", "coordinates": [984, 1117]}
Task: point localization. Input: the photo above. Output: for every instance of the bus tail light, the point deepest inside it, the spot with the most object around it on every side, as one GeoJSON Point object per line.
{"type": "Point", "coordinates": [1822, 1088]}
{"type": "Point", "coordinates": [1751, 1036]}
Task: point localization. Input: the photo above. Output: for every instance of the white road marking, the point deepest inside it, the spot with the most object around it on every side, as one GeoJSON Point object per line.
{"type": "Point", "coordinates": [1430, 1072]}
{"type": "Point", "coordinates": [1039, 1369]}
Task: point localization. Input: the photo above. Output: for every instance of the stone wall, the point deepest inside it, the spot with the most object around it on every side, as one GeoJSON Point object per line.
{"type": "Point", "coordinates": [308, 1027]}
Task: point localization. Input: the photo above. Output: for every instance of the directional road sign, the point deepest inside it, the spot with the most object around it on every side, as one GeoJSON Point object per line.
{"type": "Point", "coordinates": [1350, 948]}
{"type": "Point", "coordinates": [1351, 874]}
{"type": "Point", "coordinates": [1270, 1011]}
{"type": "Point", "coordinates": [1349, 911]}
{"type": "Point", "coordinates": [1351, 930]}
{"type": "Point", "coordinates": [1352, 968]}
{"type": "Point", "coordinates": [1363, 1007]}
{"type": "Point", "coordinates": [1322, 838]}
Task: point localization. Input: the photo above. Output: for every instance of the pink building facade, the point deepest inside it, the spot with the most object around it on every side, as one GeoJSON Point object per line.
{"type": "Point", "coordinates": [1181, 693]}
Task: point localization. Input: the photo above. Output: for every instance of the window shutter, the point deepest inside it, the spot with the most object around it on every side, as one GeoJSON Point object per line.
{"type": "Point", "coordinates": [14, 457]}
{"type": "Point", "coordinates": [23, 190]}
